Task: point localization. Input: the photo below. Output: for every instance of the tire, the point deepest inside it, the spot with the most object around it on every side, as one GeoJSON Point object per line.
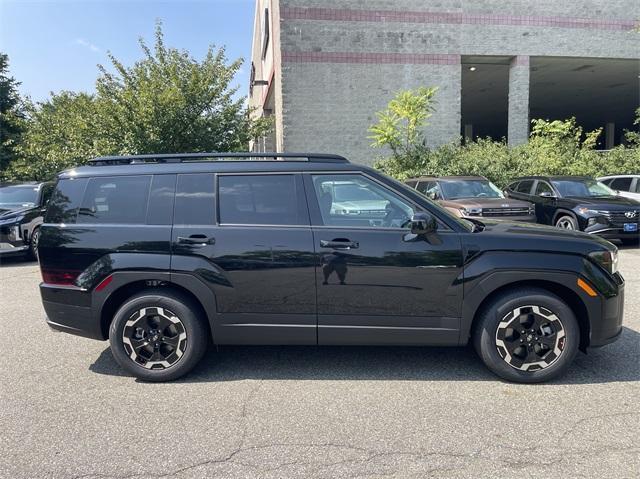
{"type": "Point", "coordinates": [33, 243]}
{"type": "Point", "coordinates": [500, 346]}
{"type": "Point", "coordinates": [567, 222]}
{"type": "Point", "coordinates": [158, 335]}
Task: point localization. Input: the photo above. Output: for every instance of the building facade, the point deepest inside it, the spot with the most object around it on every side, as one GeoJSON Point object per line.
{"type": "Point", "coordinates": [323, 68]}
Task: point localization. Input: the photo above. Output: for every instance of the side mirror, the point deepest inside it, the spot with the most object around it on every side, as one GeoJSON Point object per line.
{"type": "Point", "coordinates": [546, 194]}
{"type": "Point", "coordinates": [423, 224]}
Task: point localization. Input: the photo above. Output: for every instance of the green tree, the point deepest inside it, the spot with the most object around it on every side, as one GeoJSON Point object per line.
{"type": "Point", "coordinates": [400, 128]}
{"type": "Point", "coordinates": [166, 102]}
{"type": "Point", "coordinates": [11, 116]}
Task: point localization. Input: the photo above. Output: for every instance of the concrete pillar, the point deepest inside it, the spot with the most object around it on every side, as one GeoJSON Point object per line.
{"type": "Point", "coordinates": [518, 129]}
{"type": "Point", "coordinates": [609, 135]}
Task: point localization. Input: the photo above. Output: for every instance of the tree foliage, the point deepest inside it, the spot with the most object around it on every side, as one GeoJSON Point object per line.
{"type": "Point", "coordinates": [11, 115]}
{"type": "Point", "coordinates": [558, 147]}
{"type": "Point", "coordinates": [164, 103]}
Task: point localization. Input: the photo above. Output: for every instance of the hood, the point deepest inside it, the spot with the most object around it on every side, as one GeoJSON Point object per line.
{"type": "Point", "coordinates": [604, 202]}
{"type": "Point", "coordinates": [487, 203]}
{"type": "Point", "coordinates": [533, 237]}
{"type": "Point", "coordinates": [7, 211]}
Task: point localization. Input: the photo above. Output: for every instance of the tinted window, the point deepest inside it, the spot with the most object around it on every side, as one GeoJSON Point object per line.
{"type": "Point", "coordinates": [378, 207]}
{"type": "Point", "coordinates": [621, 184]}
{"type": "Point", "coordinates": [195, 200]}
{"type": "Point", "coordinates": [65, 201]}
{"type": "Point", "coordinates": [45, 194]}
{"type": "Point", "coordinates": [261, 200]}
{"type": "Point", "coordinates": [430, 189]}
{"type": "Point", "coordinates": [456, 189]}
{"type": "Point", "coordinates": [160, 211]}
{"type": "Point", "coordinates": [116, 199]}
{"type": "Point", "coordinates": [544, 187]}
{"type": "Point", "coordinates": [524, 187]}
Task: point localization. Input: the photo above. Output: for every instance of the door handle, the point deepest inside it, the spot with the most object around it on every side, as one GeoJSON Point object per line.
{"type": "Point", "coordinates": [339, 243]}
{"type": "Point", "coordinates": [196, 240]}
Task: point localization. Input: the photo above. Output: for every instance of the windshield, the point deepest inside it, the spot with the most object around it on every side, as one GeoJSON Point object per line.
{"type": "Point", "coordinates": [18, 195]}
{"type": "Point", "coordinates": [582, 188]}
{"type": "Point", "coordinates": [457, 189]}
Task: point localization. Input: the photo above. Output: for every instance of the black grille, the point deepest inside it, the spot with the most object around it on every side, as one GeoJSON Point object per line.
{"type": "Point", "coordinates": [618, 218]}
{"type": "Point", "coordinates": [505, 211]}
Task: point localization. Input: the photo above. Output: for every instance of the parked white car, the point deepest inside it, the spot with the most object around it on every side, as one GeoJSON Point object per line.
{"type": "Point", "coordinates": [626, 185]}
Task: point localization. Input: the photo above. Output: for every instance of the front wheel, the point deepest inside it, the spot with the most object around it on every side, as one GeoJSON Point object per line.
{"type": "Point", "coordinates": [567, 222]}
{"type": "Point", "coordinates": [33, 243]}
{"type": "Point", "coordinates": [527, 335]}
{"type": "Point", "coordinates": [158, 335]}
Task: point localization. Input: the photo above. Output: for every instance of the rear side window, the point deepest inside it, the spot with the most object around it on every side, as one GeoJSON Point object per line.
{"type": "Point", "coordinates": [524, 187]}
{"type": "Point", "coordinates": [116, 199]}
{"type": "Point", "coordinates": [160, 209]}
{"type": "Point", "coordinates": [65, 201]}
{"type": "Point", "coordinates": [195, 200]}
{"type": "Point", "coordinates": [621, 184]}
{"type": "Point", "coordinates": [262, 200]}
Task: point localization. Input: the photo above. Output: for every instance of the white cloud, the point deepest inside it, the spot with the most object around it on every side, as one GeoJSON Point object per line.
{"type": "Point", "coordinates": [82, 42]}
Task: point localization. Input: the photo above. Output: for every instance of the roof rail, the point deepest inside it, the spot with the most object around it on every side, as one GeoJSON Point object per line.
{"type": "Point", "coordinates": [195, 157]}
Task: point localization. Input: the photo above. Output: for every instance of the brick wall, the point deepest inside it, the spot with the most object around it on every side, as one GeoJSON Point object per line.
{"type": "Point", "coordinates": [343, 60]}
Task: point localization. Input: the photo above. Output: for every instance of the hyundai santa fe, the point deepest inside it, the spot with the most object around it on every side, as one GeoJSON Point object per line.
{"type": "Point", "coordinates": [164, 254]}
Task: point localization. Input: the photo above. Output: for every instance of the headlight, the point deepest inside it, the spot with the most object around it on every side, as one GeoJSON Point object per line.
{"type": "Point", "coordinates": [12, 220]}
{"type": "Point", "coordinates": [470, 211]}
{"type": "Point", "coordinates": [607, 259]}
{"type": "Point", "coordinates": [589, 211]}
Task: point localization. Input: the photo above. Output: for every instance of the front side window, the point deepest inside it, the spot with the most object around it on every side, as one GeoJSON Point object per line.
{"type": "Point", "coordinates": [544, 189]}
{"type": "Point", "coordinates": [582, 188]}
{"type": "Point", "coordinates": [262, 200]}
{"type": "Point", "coordinates": [115, 200]}
{"type": "Point", "coordinates": [355, 200]}
{"type": "Point", "coordinates": [430, 189]}
{"type": "Point", "coordinates": [524, 187]}
{"type": "Point", "coordinates": [621, 184]}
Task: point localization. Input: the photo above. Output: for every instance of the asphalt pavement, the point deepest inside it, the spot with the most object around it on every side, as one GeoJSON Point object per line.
{"type": "Point", "coordinates": [68, 411]}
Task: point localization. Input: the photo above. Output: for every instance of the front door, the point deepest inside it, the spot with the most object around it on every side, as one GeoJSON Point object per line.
{"type": "Point", "coordinates": [255, 251]}
{"type": "Point", "coordinates": [377, 283]}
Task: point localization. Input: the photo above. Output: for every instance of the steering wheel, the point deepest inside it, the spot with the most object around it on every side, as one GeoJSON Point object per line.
{"type": "Point", "coordinates": [481, 195]}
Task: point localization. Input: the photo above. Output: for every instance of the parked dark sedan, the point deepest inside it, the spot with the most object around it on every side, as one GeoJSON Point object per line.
{"type": "Point", "coordinates": [21, 210]}
{"type": "Point", "coordinates": [580, 203]}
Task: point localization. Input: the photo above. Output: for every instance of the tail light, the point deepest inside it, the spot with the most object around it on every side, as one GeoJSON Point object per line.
{"type": "Point", "coordinates": [60, 276]}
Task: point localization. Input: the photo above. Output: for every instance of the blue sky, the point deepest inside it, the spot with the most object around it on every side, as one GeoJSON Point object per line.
{"type": "Point", "coordinates": [55, 45]}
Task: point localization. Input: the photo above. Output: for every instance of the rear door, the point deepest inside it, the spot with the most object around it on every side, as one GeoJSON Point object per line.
{"type": "Point", "coordinates": [376, 284]}
{"type": "Point", "coordinates": [248, 238]}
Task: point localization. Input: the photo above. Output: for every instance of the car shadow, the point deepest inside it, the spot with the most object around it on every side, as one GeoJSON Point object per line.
{"type": "Point", "coordinates": [17, 261]}
{"type": "Point", "coordinates": [618, 362]}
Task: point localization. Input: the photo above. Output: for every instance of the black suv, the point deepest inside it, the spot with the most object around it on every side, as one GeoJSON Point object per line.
{"type": "Point", "coordinates": [164, 253]}
{"type": "Point", "coordinates": [21, 208]}
{"type": "Point", "coordinates": [580, 203]}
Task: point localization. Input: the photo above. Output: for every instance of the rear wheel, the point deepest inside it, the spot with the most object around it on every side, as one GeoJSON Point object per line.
{"type": "Point", "coordinates": [158, 336]}
{"type": "Point", "coordinates": [567, 222]}
{"type": "Point", "coordinates": [527, 335]}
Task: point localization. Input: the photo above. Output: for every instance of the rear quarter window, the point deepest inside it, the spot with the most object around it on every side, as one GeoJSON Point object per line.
{"type": "Point", "coordinates": [115, 199]}
{"type": "Point", "coordinates": [65, 201]}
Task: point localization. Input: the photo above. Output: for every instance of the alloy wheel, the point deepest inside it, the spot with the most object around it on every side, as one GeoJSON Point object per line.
{"type": "Point", "coordinates": [530, 338]}
{"type": "Point", "coordinates": [565, 224]}
{"type": "Point", "coordinates": [154, 338]}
